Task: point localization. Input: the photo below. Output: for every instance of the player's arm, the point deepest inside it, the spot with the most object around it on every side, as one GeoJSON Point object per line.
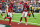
{"type": "Point", "coordinates": [12, 11]}
{"type": "Point", "coordinates": [23, 9]}
{"type": "Point", "coordinates": [28, 9]}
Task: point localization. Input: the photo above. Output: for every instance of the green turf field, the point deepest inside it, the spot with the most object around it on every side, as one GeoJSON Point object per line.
{"type": "Point", "coordinates": [17, 16]}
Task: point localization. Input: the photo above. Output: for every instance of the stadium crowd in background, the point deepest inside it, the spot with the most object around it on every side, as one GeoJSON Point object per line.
{"type": "Point", "coordinates": [18, 6]}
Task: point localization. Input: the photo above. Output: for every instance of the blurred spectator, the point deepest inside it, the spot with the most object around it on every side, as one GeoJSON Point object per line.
{"type": "Point", "coordinates": [3, 7]}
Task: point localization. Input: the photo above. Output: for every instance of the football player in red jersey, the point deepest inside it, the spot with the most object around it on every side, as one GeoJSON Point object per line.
{"type": "Point", "coordinates": [25, 12]}
{"type": "Point", "coordinates": [9, 14]}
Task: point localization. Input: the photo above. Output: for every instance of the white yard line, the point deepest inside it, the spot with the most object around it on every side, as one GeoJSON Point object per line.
{"type": "Point", "coordinates": [23, 22]}
{"type": "Point", "coordinates": [20, 13]}
{"type": "Point", "coordinates": [27, 22]}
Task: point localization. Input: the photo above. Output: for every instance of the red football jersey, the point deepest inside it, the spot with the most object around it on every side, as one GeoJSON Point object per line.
{"type": "Point", "coordinates": [0, 7]}
{"type": "Point", "coordinates": [26, 8]}
{"type": "Point", "coordinates": [10, 9]}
